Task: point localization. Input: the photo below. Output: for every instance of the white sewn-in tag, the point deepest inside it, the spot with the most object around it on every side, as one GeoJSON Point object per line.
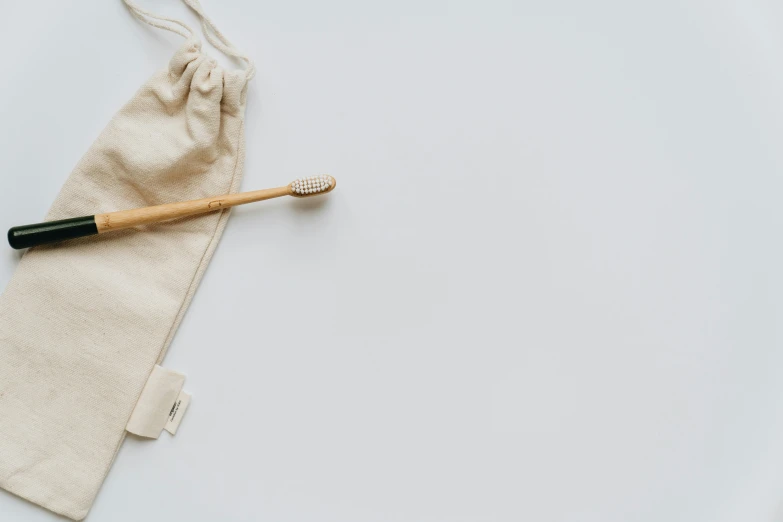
{"type": "Point", "coordinates": [177, 412]}
{"type": "Point", "coordinates": [151, 413]}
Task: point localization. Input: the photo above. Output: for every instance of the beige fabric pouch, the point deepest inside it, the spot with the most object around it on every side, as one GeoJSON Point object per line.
{"type": "Point", "coordinates": [83, 323]}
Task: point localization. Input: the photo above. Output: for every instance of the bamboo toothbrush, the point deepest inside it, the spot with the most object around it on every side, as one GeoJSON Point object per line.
{"type": "Point", "coordinates": [52, 231]}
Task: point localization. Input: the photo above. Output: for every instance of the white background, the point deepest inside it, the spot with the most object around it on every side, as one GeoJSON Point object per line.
{"type": "Point", "coordinates": [547, 288]}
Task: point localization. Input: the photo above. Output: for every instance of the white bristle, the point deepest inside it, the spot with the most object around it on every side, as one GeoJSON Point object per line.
{"type": "Point", "coordinates": [312, 184]}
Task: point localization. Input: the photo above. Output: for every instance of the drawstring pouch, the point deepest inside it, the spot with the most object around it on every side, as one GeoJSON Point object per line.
{"type": "Point", "coordinates": [83, 324]}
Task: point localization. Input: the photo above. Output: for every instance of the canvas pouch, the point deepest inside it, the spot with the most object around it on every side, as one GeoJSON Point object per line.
{"type": "Point", "coordinates": [84, 323]}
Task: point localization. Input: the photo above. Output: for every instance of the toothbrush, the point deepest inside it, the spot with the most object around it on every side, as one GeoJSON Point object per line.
{"type": "Point", "coordinates": [52, 231]}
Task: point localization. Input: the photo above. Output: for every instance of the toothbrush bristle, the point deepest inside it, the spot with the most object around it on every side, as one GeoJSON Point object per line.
{"type": "Point", "coordinates": [312, 185]}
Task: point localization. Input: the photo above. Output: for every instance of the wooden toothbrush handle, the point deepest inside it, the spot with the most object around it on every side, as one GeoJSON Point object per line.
{"type": "Point", "coordinates": [143, 216]}
{"type": "Point", "coordinates": [53, 231]}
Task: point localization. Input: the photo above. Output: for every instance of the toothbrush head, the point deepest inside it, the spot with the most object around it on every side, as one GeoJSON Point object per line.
{"type": "Point", "coordinates": [312, 186]}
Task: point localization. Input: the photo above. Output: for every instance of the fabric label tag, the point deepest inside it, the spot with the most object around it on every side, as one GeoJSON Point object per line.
{"type": "Point", "coordinates": [177, 412]}
{"type": "Point", "coordinates": [152, 411]}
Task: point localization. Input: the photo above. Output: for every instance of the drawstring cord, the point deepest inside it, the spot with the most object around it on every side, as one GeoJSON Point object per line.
{"type": "Point", "coordinates": [218, 39]}
{"type": "Point", "coordinates": [175, 26]}
{"type": "Point", "coordinates": [212, 33]}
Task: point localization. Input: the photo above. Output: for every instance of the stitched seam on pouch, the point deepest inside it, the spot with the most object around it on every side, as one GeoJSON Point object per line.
{"type": "Point", "coordinates": [223, 215]}
{"type": "Point", "coordinates": [177, 318]}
